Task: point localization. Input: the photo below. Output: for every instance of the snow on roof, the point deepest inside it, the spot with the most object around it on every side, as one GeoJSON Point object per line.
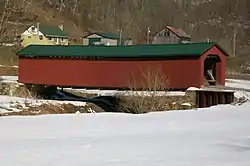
{"type": "Point", "coordinates": [216, 88]}
{"type": "Point", "coordinates": [193, 89]}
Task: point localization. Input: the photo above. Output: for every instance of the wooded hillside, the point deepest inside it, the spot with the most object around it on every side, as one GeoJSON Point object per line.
{"type": "Point", "coordinates": [218, 20]}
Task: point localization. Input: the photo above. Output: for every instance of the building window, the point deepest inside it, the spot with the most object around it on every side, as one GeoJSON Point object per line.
{"type": "Point", "coordinates": [62, 39]}
{"type": "Point", "coordinates": [29, 37]}
{"type": "Point", "coordinates": [167, 33]}
{"type": "Point", "coordinates": [94, 41]}
{"type": "Point", "coordinates": [40, 37]}
{"type": "Point", "coordinates": [33, 29]}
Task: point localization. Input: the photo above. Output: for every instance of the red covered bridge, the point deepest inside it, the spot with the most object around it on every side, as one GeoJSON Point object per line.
{"type": "Point", "coordinates": [185, 65]}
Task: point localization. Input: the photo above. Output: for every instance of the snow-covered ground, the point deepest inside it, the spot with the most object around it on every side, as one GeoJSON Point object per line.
{"type": "Point", "coordinates": [9, 66]}
{"type": "Point", "coordinates": [8, 104]}
{"type": "Point", "coordinates": [217, 136]}
{"type": "Point", "coordinates": [16, 104]}
{"type": "Point", "coordinates": [8, 79]}
{"type": "Point", "coordinates": [126, 93]}
{"type": "Point", "coordinates": [242, 86]}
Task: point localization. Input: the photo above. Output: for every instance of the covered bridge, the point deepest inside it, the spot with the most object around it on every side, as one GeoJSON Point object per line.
{"type": "Point", "coordinates": [185, 65]}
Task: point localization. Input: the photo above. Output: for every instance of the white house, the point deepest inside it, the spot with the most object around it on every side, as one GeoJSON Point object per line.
{"type": "Point", "coordinates": [44, 34]}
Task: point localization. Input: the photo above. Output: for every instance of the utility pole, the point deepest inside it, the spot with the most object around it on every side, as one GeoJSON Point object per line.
{"type": "Point", "coordinates": [120, 37]}
{"type": "Point", "coordinates": [234, 41]}
{"type": "Point", "coordinates": [148, 35]}
{"type": "Point", "coordinates": [61, 5]}
{"type": "Point", "coordinates": [235, 26]}
{"type": "Point", "coordinates": [75, 7]}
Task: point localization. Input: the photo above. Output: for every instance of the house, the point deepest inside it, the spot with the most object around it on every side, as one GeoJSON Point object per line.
{"type": "Point", "coordinates": [170, 35]}
{"type": "Point", "coordinates": [100, 38]}
{"type": "Point", "coordinates": [44, 35]}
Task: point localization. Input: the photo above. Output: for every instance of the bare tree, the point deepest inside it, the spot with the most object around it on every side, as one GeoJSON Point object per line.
{"type": "Point", "coordinates": [202, 19]}
{"type": "Point", "coordinates": [61, 5]}
{"type": "Point", "coordinates": [147, 89]}
{"type": "Point", "coordinates": [11, 8]}
{"type": "Point", "coordinates": [75, 6]}
{"type": "Point", "coordinates": [47, 1]}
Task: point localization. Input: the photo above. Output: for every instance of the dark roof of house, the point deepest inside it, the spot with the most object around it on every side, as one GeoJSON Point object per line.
{"type": "Point", "coordinates": [107, 35]}
{"type": "Point", "coordinates": [53, 31]}
{"type": "Point", "coordinates": [178, 32]}
{"type": "Point", "coordinates": [128, 51]}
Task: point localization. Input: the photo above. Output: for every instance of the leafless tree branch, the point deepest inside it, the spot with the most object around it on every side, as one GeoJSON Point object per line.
{"type": "Point", "coordinates": [11, 7]}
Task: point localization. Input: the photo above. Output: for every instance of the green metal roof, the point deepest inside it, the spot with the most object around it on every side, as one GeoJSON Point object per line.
{"type": "Point", "coordinates": [50, 30]}
{"type": "Point", "coordinates": [107, 35]}
{"type": "Point", "coordinates": [134, 51]}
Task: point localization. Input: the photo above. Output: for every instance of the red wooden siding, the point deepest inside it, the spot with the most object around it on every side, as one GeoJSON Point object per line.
{"type": "Point", "coordinates": [116, 74]}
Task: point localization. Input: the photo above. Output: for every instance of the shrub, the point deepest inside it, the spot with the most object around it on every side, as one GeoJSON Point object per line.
{"type": "Point", "coordinates": [146, 91]}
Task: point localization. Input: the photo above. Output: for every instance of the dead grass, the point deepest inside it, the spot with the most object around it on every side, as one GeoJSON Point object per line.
{"type": "Point", "coordinates": [130, 104]}
{"type": "Point", "coordinates": [237, 74]}
{"type": "Point", "coordinates": [8, 55]}
{"type": "Point", "coordinates": [8, 59]}
{"type": "Point", "coordinates": [8, 71]}
{"type": "Point", "coordinates": [23, 91]}
{"type": "Point", "coordinates": [17, 90]}
{"type": "Point", "coordinates": [151, 81]}
{"type": "Point", "coordinates": [237, 67]}
{"type": "Point", "coordinates": [45, 109]}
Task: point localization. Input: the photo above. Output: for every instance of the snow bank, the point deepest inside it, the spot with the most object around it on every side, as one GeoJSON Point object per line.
{"type": "Point", "coordinates": [9, 79]}
{"type": "Point", "coordinates": [243, 87]}
{"type": "Point", "coordinates": [234, 83]}
{"type": "Point", "coordinates": [193, 89]}
{"type": "Point", "coordinates": [242, 94]}
{"type": "Point", "coordinates": [217, 136]}
{"type": "Point", "coordinates": [126, 93]}
{"type": "Point", "coordinates": [9, 66]}
{"type": "Point", "coordinates": [16, 104]}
